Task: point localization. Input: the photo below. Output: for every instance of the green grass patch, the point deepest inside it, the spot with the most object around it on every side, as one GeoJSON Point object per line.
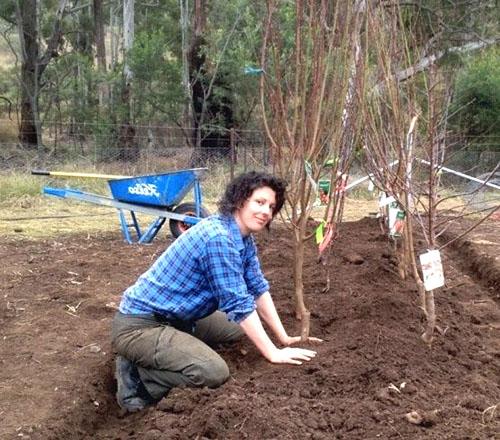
{"type": "Point", "coordinates": [8, 128]}
{"type": "Point", "coordinates": [14, 186]}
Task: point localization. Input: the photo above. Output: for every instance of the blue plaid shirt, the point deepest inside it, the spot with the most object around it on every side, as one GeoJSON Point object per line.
{"type": "Point", "coordinates": [209, 267]}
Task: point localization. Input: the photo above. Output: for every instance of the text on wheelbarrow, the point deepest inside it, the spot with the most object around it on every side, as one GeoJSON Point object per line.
{"type": "Point", "coordinates": [144, 189]}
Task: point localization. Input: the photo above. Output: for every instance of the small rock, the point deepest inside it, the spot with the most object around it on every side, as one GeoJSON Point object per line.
{"type": "Point", "coordinates": [352, 345]}
{"type": "Point", "coordinates": [94, 349]}
{"type": "Point", "coordinates": [354, 258]}
{"type": "Point", "coordinates": [414, 417]}
{"type": "Point", "coordinates": [426, 419]}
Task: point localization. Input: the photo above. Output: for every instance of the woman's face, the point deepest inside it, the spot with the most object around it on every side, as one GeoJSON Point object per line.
{"type": "Point", "coordinates": [257, 211]}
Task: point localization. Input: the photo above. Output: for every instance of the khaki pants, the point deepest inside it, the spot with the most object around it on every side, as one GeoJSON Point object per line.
{"type": "Point", "coordinates": [167, 357]}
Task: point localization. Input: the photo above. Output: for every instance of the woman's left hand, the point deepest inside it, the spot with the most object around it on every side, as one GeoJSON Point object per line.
{"type": "Point", "coordinates": [289, 340]}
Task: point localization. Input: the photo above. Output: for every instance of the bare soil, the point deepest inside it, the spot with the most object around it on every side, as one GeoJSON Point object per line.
{"type": "Point", "coordinates": [56, 373]}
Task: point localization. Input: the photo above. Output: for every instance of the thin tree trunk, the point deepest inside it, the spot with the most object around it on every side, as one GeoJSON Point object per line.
{"type": "Point", "coordinates": [128, 35]}
{"type": "Point", "coordinates": [100, 50]}
{"type": "Point", "coordinates": [128, 147]}
{"type": "Point", "coordinates": [184, 23]}
{"type": "Point", "coordinates": [114, 40]}
{"type": "Point", "coordinates": [28, 33]}
{"type": "Point", "coordinates": [301, 311]}
{"type": "Point", "coordinates": [430, 309]}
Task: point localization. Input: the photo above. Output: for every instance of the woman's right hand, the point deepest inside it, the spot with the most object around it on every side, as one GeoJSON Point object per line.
{"type": "Point", "coordinates": [291, 355]}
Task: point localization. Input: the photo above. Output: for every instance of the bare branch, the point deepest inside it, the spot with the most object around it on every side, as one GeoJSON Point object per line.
{"type": "Point", "coordinates": [425, 62]}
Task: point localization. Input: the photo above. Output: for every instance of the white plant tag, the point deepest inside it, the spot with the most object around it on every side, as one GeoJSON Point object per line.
{"type": "Point", "coordinates": [432, 269]}
{"type": "Point", "coordinates": [384, 200]}
{"type": "Point", "coordinates": [371, 186]}
{"type": "Point", "coordinates": [396, 222]}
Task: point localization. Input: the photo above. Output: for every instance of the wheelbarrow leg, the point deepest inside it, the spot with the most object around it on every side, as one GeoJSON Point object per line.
{"type": "Point", "coordinates": [153, 229]}
{"type": "Point", "coordinates": [197, 197]}
{"type": "Point", "coordinates": [126, 226]}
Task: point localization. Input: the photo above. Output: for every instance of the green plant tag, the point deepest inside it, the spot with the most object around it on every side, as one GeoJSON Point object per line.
{"type": "Point", "coordinates": [320, 232]}
{"type": "Point", "coordinates": [253, 71]}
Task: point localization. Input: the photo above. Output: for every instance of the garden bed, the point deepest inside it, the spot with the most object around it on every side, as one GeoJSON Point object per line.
{"type": "Point", "coordinates": [59, 295]}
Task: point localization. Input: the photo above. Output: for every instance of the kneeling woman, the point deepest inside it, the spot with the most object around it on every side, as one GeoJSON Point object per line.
{"type": "Point", "coordinates": [206, 288]}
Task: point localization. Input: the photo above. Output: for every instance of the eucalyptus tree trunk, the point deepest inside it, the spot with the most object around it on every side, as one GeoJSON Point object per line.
{"type": "Point", "coordinates": [128, 149]}
{"type": "Point", "coordinates": [99, 37]}
{"type": "Point", "coordinates": [186, 85]}
{"type": "Point", "coordinates": [207, 107]}
{"type": "Point", "coordinates": [114, 38]}
{"type": "Point", "coordinates": [33, 65]}
{"type": "Point", "coordinates": [28, 36]}
{"type": "Point", "coordinates": [128, 36]}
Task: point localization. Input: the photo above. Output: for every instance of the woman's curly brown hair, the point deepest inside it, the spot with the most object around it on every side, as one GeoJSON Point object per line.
{"type": "Point", "coordinates": [242, 187]}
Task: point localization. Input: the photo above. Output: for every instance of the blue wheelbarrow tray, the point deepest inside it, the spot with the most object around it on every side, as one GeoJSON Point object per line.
{"type": "Point", "coordinates": [164, 190]}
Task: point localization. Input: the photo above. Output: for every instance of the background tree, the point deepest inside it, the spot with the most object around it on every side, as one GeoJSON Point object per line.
{"type": "Point", "coordinates": [475, 107]}
{"type": "Point", "coordinates": [77, 90]}
{"type": "Point", "coordinates": [212, 106]}
{"type": "Point", "coordinates": [33, 65]}
{"type": "Point", "coordinates": [100, 50]}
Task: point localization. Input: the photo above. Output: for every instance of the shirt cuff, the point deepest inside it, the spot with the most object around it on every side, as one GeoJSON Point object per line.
{"type": "Point", "coordinates": [259, 289]}
{"type": "Point", "coordinates": [237, 316]}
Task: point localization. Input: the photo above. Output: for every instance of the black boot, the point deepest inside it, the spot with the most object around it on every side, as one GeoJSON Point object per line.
{"type": "Point", "coordinates": [131, 395]}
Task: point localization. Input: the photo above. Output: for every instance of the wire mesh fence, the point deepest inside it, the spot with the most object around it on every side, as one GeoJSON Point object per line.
{"type": "Point", "coordinates": [136, 150]}
{"type": "Point", "coordinates": [144, 149]}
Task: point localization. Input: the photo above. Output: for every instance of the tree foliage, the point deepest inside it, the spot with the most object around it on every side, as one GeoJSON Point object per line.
{"type": "Point", "coordinates": [74, 89]}
{"type": "Point", "coordinates": [476, 105]}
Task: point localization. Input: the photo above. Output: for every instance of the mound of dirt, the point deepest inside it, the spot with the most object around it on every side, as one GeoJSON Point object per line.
{"type": "Point", "coordinates": [373, 377]}
{"type": "Point", "coordinates": [478, 251]}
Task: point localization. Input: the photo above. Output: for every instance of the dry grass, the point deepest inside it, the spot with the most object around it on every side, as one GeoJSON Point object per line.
{"type": "Point", "coordinates": [36, 217]}
{"type": "Point", "coordinates": [41, 217]}
{"type": "Point", "coordinates": [8, 128]}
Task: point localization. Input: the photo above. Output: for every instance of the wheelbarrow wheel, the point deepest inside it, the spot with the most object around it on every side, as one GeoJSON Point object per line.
{"type": "Point", "coordinates": [178, 227]}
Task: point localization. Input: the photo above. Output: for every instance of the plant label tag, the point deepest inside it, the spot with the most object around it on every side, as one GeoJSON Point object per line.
{"type": "Point", "coordinates": [432, 269]}
{"type": "Point", "coordinates": [384, 200]}
{"type": "Point", "coordinates": [396, 220]}
{"type": "Point", "coordinates": [371, 186]}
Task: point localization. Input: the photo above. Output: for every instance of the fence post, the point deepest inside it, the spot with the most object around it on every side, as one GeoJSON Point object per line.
{"type": "Point", "coordinates": [264, 154]}
{"type": "Point", "coordinates": [232, 152]}
{"type": "Point", "coordinates": [245, 158]}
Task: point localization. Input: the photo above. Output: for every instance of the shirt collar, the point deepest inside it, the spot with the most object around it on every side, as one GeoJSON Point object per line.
{"type": "Point", "coordinates": [234, 229]}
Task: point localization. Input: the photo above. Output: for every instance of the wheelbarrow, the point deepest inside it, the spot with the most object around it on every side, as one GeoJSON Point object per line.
{"type": "Point", "coordinates": [159, 195]}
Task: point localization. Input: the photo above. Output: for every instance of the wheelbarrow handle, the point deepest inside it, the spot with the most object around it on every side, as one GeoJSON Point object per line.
{"type": "Point", "coordinates": [70, 174]}
{"type": "Point", "coordinates": [40, 172]}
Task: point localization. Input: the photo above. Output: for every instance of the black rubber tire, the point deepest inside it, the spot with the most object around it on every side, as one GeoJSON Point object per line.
{"type": "Point", "coordinates": [177, 227]}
